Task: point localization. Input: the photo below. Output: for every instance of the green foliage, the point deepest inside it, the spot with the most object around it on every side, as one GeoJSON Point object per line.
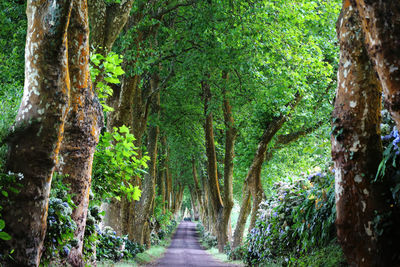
{"type": "Point", "coordinates": [109, 70]}
{"type": "Point", "coordinates": [12, 43]}
{"type": "Point", "coordinates": [299, 219]}
{"type": "Point", "coordinates": [328, 256]}
{"type": "Point", "coordinates": [93, 220]}
{"type": "Point", "coordinates": [113, 1]}
{"type": "Point", "coordinates": [9, 184]}
{"type": "Point", "coordinates": [206, 239]}
{"type": "Point", "coordinates": [60, 226]}
{"type": "Point", "coordinates": [115, 248]}
{"type": "Point", "coordinates": [237, 253]}
{"type": "Point", "coordinates": [115, 164]}
{"type": "Point", "coordinates": [162, 221]}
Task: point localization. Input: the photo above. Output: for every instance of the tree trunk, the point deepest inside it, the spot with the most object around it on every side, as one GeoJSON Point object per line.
{"type": "Point", "coordinates": [165, 190]}
{"type": "Point", "coordinates": [214, 191]}
{"type": "Point", "coordinates": [357, 152]}
{"type": "Point", "coordinates": [106, 21]}
{"type": "Point", "coordinates": [206, 219]}
{"type": "Point", "coordinates": [161, 182]}
{"type": "Point", "coordinates": [38, 131]}
{"type": "Point", "coordinates": [82, 127]}
{"type": "Point", "coordinates": [243, 215]}
{"type": "Point", "coordinates": [169, 184]}
{"type": "Point", "coordinates": [253, 178]}
{"type": "Point", "coordinates": [195, 205]}
{"type": "Point", "coordinates": [381, 26]}
{"type": "Point", "coordinates": [131, 111]}
{"type": "Point", "coordinates": [230, 137]}
{"type": "Point", "coordinates": [143, 207]}
{"type": "Point", "coordinates": [197, 190]}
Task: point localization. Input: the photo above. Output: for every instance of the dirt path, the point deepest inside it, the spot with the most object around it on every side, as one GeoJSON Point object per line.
{"type": "Point", "coordinates": [185, 250]}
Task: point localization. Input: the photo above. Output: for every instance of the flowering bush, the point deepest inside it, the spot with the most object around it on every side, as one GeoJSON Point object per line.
{"type": "Point", "coordinates": [300, 217]}
{"type": "Point", "coordinates": [60, 226]}
{"type": "Point", "coordinates": [115, 248]}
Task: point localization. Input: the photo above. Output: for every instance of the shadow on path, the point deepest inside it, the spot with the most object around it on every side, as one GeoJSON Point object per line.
{"type": "Point", "coordinates": [185, 250]}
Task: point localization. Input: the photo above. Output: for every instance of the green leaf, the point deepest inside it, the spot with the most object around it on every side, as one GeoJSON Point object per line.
{"type": "Point", "coordinates": [5, 236]}
{"type": "Point", "coordinates": [137, 193]}
{"type": "Point", "coordinates": [124, 129]}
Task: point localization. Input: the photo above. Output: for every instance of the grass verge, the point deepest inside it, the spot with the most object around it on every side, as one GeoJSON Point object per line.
{"type": "Point", "coordinates": [146, 257]}
{"type": "Point", "coordinates": [222, 257]}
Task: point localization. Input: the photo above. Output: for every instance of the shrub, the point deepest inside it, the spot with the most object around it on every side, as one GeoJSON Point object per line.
{"type": "Point", "coordinates": [298, 219]}
{"type": "Point", "coordinates": [93, 220]}
{"type": "Point", "coordinates": [112, 247]}
{"type": "Point", "coordinates": [206, 238]}
{"type": "Point", "coordinates": [237, 253]}
{"type": "Point", "coordinates": [60, 226]}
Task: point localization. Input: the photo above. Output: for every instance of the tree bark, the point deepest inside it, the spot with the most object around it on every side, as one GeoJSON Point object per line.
{"type": "Point", "coordinates": [381, 28]}
{"type": "Point", "coordinates": [230, 137]}
{"type": "Point", "coordinates": [82, 127]}
{"type": "Point", "coordinates": [195, 205]}
{"type": "Point", "coordinates": [206, 219]}
{"type": "Point", "coordinates": [197, 190]}
{"type": "Point", "coordinates": [142, 214]}
{"type": "Point", "coordinates": [213, 185]}
{"type": "Point", "coordinates": [243, 215]}
{"type": "Point", "coordinates": [130, 110]}
{"type": "Point", "coordinates": [357, 152]}
{"type": "Point", "coordinates": [106, 21]}
{"type": "Point", "coordinates": [253, 178]}
{"type": "Point", "coordinates": [38, 131]}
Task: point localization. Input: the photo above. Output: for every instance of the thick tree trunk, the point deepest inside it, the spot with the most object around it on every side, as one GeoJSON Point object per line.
{"type": "Point", "coordinates": [169, 185]}
{"type": "Point", "coordinates": [165, 174]}
{"type": "Point", "coordinates": [195, 205]}
{"type": "Point", "coordinates": [381, 26]}
{"type": "Point", "coordinates": [38, 131]}
{"type": "Point", "coordinates": [177, 201]}
{"type": "Point", "coordinates": [107, 21]}
{"type": "Point", "coordinates": [196, 190]}
{"type": "Point", "coordinates": [257, 193]}
{"type": "Point", "coordinates": [213, 184]}
{"type": "Point", "coordinates": [253, 178]}
{"type": "Point", "coordinates": [206, 219]}
{"type": "Point", "coordinates": [131, 111]}
{"type": "Point", "coordinates": [82, 127]}
{"type": "Point", "coordinates": [231, 133]}
{"type": "Point", "coordinates": [243, 215]}
{"type": "Point", "coordinates": [161, 181]}
{"type": "Point", "coordinates": [357, 152]}
{"type": "Point", "coordinates": [141, 216]}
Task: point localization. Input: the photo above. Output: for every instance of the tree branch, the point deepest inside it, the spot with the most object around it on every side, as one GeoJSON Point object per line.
{"type": "Point", "coordinates": [171, 8]}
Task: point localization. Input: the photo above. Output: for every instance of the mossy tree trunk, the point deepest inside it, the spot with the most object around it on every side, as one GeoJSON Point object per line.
{"type": "Point", "coordinates": [363, 206]}
{"type": "Point", "coordinates": [82, 127]}
{"type": "Point", "coordinates": [140, 221]}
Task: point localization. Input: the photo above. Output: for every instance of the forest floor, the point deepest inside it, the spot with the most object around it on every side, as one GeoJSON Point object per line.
{"type": "Point", "coordinates": [185, 251]}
